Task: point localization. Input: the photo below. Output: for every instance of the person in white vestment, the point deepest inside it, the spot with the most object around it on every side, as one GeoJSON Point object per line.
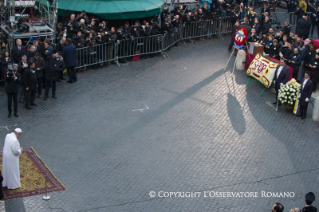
{"type": "Point", "coordinates": [10, 160]}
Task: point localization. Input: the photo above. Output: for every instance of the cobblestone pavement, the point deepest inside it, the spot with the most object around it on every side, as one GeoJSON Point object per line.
{"type": "Point", "coordinates": [179, 124]}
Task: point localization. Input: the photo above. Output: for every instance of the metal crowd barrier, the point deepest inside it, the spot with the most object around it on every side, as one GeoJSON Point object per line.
{"type": "Point", "coordinates": [199, 29]}
{"type": "Point", "coordinates": [100, 53]}
{"type": "Point", "coordinates": [225, 26]}
{"type": "Point", "coordinates": [139, 46]}
{"type": "Point", "coordinates": [172, 38]}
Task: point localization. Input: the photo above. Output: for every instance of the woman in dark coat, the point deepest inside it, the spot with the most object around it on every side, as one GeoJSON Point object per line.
{"type": "Point", "coordinates": [5, 60]}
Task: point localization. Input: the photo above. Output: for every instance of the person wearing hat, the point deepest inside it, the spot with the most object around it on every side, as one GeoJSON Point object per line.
{"type": "Point", "coordinates": [274, 49]}
{"type": "Point", "coordinates": [12, 87]}
{"type": "Point", "coordinates": [56, 65]}
{"type": "Point", "coordinates": [39, 66]}
{"type": "Point", "coordinates": [10, 160]}
{"type": "Point", "coordinates": [309, 198]}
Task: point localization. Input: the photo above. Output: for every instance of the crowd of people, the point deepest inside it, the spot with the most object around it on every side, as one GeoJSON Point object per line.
{"type": "Point", "coordinates": [32, 68]}
{"type": "Point", "coordinates": [29, 70]}
{"type": "Point", "coordinates": [309, 198]}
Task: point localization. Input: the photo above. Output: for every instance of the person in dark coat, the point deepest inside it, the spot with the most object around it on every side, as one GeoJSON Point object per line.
{"type": "Point", "coordinates": [314, 71]}
{"type": "Point", "coordinates": [56, 65]}
{"type": "Point", "coordinates": [30, 84]}
{"type": "Point", "coordinates": [305, 92]}
{"type": "Point", "coordinates": [69, 56]}
{"type": "Point", "coordinates": [310, 54]}
{"type": "Point", "coordinates": [22, 66]}
{"type": "Point", "coordinates": [5, 60]}
{"type": "Point", "coordinates": [281, 77]}
{"type": "Point", "coordinates": [274, 49]}
{"type": "Point", "coordinates": [12, 88]}
{"type": "Point", "coordinates": [18, 51]}
{"type": "Point", "coordinates": [39, 66]}
{"type": "Point", "coordinates": [309, 198]}
{"type": "Point", "coordinates": [263, 12]}
{"type": "Point", "coordinates": [60, 44]}
{"type": "Point", "coordinates": [303, 27]}
{"type": "Point", "coordinates": [294, 61]}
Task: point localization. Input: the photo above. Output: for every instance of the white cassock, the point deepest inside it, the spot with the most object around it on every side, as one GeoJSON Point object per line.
{"type": "Point", "coordinates": [10, 162]}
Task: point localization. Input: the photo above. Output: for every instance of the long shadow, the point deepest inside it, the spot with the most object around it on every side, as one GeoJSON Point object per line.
{"type": "Point", "coordinates": [235, 114]}
{"type": "Point", "coordinates": [131, 129]}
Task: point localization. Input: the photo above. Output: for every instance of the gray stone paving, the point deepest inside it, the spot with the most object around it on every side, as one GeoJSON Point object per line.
{"type": "Point", "coordinates": [199, 130]}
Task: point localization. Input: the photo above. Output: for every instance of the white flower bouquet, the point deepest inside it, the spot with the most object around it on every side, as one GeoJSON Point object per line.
{"type": "Point", "coordinates": [288, 93]}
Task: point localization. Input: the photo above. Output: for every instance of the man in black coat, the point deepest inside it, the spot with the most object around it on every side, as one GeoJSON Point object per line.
{"type": "Point", "coordinates": [69, 57]}
{"type": "Point", "coordinates": [281, 77]}
{"type": "Point", "coordinates": [22, 66]}
{"type": "Point", "coordinates": [18, 51]}
{"type": "Point", "coordinates": [303, 27]}
{"type": "Point", "coordinates": [30, 84]}
{"type": "Point", "coordinates": [56, 65]}
{"type": "Point", "coordinates": [314, 71]}
{"type": "Point", "coordinates": [305, 94]}
{"type": "Point", "coordinates": [309, 198]}
{"type": "Point", "coordinates": [60, 44]}
{"type": "Point", "coordinates": [12, 88]}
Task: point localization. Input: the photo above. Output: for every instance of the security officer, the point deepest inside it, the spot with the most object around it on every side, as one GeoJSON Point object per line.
{"type": "Point", "coordinates": [309, 198]}
{"type": "Point", "coordinates": [12, 88]}
{"type": "Point", "coordinates": [30, 85]}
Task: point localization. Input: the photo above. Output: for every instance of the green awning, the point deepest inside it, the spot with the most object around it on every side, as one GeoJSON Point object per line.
{"type": "Point", "coordinates": [112, 9]}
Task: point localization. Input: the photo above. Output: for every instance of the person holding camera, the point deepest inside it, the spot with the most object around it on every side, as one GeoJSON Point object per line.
{"type": "Point", "coordinates": [30, 85]}
{"type": "Point", "coordinates": [12, 88]}
{"type": "Point", "coordinates": [83, 16]}
{"type": "Point", "coordinates": [72, 26]}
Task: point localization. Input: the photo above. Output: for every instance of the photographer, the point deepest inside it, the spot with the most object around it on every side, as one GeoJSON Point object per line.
{"type": "Point", "coordinates": [112, 39]}
{"type": "Point", "coordinates": [91, 27]}
{"type": "Point", "coordinates": [72, 26]}
{"type": "Point", "coordinates": [103, 26]}
{"type": "Point", "coordinates": [136, 29]}
{"type": "Point", "coordinates": [82, 27]}
{"type": "Point", "coordinates": [83, 16]}
{"type": "Point", "coordinates": [12, 88]}
{"type": "Point", "coordinates": [79, 40]}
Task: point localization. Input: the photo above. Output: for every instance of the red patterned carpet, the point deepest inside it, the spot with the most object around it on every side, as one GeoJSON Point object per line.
{"type": "Point", "coordinates": [32, 172]}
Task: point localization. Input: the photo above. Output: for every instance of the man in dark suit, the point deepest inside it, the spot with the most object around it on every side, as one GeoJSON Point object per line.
{"type": "Point", "coordinates": [304, 95]}
{"type": "Point", "coordinates": [12, 88]}
{"type": "Point", "coordinates": [56, 65]}
{"type": "Point", "coordinates": [18, 51]}
{"type": "Point", "coordinates": [281, 77]}
{"type": "Point", "coordinates": [30, 84]}
{"type": "Point", "coordinates": [303, 27]}
{"type": "Point", "coordinates": [60, 45]}
{"type": "Point", "coordinates": [309, 198]}
{"type": "Point", "coordinates": [69, 56]}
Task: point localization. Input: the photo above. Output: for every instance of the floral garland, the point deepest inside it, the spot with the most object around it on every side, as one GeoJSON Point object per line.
{"type": "Point", "coordinates": [288, 93]}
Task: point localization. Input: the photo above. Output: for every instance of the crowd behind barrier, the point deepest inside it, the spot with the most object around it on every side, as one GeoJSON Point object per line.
{"type": "Point", "coordinates": [91, 43]}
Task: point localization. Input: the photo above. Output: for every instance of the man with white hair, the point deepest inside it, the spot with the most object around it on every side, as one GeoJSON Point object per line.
{"type": "Point", "coordinates": [18, 51]}
{"type": "Point", "coordinates": [10, 160]}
